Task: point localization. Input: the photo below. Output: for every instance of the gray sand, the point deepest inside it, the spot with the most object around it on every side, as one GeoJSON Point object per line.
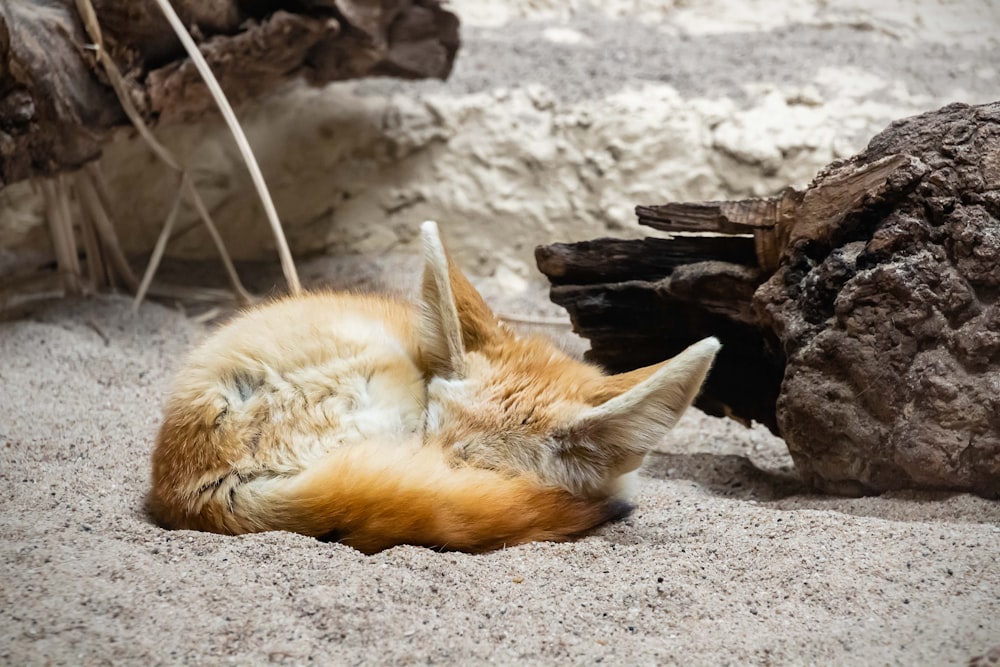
{"type": "Point", "coordinates": [626, 52]}
{"type": "Point", "coordinates": [726, 560]}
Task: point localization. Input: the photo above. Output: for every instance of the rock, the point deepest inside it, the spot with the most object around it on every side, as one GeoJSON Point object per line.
{"type": "Point", "coordinates": [891, 326]}
{"type": "Point", "coordinates": [860, 321]}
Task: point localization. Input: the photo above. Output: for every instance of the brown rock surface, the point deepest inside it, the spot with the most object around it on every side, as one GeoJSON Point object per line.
{"type": "Point", "coordinates": [890, 322]}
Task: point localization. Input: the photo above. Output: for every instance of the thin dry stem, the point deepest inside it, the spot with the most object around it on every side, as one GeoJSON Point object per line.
{"type": "Point", "coordinates": [66, 218]}
{"type": "Point", "coordinates": [287, 263]}
{"type": "Point", "coordinates": [161, 245]}
{"type": "Point", "coordinates": [209, 315]}
{"type": "Point", "coordinates": [187, 187]}
{"type": "Point", "coordinates": [190, 293]}
{"type": "Point", "coordinates": [192, 192]}
{"type": "Point", "coordinates": [95, 257]}
{"type": "Point", "coordinates": [63, 242]}
{"type": "Point", "coordinates": [535, 321]}
{"type": "Point", "coordinates": [93, 27]}
{"type": "Point", "coordinates": [89, 17]}
{"type": "Point", "coordinates": [20, 289]}
{"type": "Point", "coordinates": [90, 200]}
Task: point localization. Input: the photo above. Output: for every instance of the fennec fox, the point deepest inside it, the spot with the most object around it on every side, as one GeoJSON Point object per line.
{"type": "Point", "coordinates": [375, 422]}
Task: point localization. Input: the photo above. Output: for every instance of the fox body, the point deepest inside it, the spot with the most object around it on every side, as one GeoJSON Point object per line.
{"type": "Point", "coordinates": [377, 422]}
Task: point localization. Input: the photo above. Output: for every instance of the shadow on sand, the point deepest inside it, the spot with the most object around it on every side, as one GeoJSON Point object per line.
{"type": "Point", "coordinates": [736, 477]}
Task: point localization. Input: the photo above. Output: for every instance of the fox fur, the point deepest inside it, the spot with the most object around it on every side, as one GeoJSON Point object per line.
{"type": "Point", "coordinates": [376, 422]}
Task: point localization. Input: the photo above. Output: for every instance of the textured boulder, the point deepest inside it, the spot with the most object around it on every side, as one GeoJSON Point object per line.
{"type": "Point", "coordinates": [860, 319]}
{"type": "Point", "coordinates": [890, 318]}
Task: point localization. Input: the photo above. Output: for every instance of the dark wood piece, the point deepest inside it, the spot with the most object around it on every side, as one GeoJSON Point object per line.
{"type": "Point", "coordinates": [609, 260]}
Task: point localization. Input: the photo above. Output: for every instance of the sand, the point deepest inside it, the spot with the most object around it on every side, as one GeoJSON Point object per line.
{"type": "Point", "coordinates": [727, 560]}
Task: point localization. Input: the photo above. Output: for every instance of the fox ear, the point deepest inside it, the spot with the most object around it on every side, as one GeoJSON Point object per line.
{"type": "Point", "coordinates": [633, 421]}
{"type": "Point", "coordinates": [440, 329]}
{"type": "Point", "coordinates": [456, 319]}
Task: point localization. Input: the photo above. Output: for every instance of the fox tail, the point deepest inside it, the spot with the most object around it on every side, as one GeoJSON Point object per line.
{"type": "Point", "coordinates": [373, 498]}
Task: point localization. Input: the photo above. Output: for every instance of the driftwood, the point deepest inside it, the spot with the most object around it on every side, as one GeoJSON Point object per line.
{"type": "Point", "coordinates": [642, 301]}
{"type": "Point", "coordinates": [56, 107]}
{"type": "Point", "coordinates": [860, 320]}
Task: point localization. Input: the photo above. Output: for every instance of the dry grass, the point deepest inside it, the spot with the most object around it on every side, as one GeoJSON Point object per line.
{"type": "Point", "coordinates": [93, 227]}
{"type": "Point", "coordinates": [287, 265]}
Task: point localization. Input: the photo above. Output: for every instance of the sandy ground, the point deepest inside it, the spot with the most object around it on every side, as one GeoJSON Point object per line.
{"type": "Point", "coordinates": [727, 559]}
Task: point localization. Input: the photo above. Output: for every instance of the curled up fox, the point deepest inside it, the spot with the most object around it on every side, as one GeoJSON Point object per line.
{"type": "Point", "coordinates": [376, 422]}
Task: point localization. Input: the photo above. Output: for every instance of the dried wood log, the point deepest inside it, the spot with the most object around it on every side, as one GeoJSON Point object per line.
{"type": "Point", "coordinates": [866, 328]}
{"type": "Point", "coordinates": [56, 108]}
{"type": "Point", "coordinates": [607, 260]}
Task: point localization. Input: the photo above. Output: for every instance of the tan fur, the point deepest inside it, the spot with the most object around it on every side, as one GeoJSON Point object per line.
{"type": "Point", "coordinates": [375, 422]}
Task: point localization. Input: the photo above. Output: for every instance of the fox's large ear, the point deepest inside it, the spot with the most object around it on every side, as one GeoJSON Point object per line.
{"type": "Point", "coordinates": [440, 329]}
{"type": "Point", "coordinates": [633, 421]}
{"type": "Point", "coordinates": [455, 319]}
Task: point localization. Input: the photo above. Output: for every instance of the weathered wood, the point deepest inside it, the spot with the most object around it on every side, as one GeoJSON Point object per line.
{"type": "Point", "coordinates": [56, 107]}
{"type": "Point", "coordinates": [720, 217]}
{"type": "Point", "coordinates": [718, 287]}
{"type": "Point", "coordinates": [636, 323]}
{"type": "Point", "coordinates": [641, 301]}
{"type": "Point", "coordinates": [868, 334]}
{"type": "Point", "coordinates": [767, 220]}
{"type": "Point", "coordinates": [608, 260]}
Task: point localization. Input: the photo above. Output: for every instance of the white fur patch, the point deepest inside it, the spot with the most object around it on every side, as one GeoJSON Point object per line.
{"type": "Point", "coordinates": [442, 393]}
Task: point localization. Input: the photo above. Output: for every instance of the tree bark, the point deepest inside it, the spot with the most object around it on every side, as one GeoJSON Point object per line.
{"type": "Point", "coordinates": [864, 329]}
{"type": "Point", "coordinates": [56, 106]}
